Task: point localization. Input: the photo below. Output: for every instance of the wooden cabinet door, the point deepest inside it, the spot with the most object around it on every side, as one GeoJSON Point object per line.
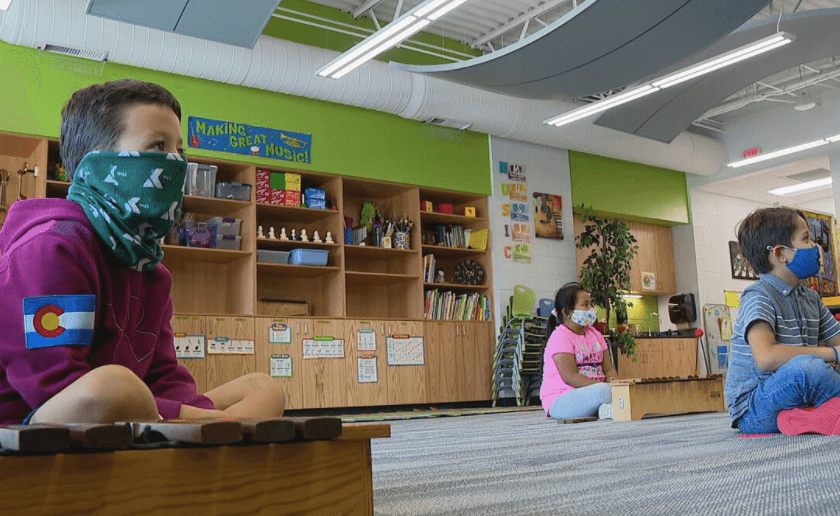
{"type": "Point", "coordinates": [442, 371]}
{"type": "Point", "coordinates": [467, 360]}
{"type": "Point", "coordinates": [292, 387]}
{"type": "Point", "coordinates": [222, 368]}
{"type": "Point", "coordinates": [325, 378]}
{"type": "Point", "coordinates": [666, 280]}
{"type": "Point", "coordinates": [192, 325]}
{"type": "Point", "coordinates": [365, 394]}
{"type": "Point", "coordinates": [484, 340]}
{"type": "Point", "coordinates": [406, 383]}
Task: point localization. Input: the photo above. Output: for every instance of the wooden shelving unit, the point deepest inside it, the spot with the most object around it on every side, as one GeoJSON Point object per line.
{"type": "Point", "coordinates": [230, 293]}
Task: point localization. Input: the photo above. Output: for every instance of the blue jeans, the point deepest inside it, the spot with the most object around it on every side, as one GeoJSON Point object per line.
{"type": "Point", "coordinates": [581, 402]}
{"type": "Point", "coordinates": [804, 381]}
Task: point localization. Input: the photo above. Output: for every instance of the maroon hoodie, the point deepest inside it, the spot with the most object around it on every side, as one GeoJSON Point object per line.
{"type": "Point", "coordinates": [48, 248]}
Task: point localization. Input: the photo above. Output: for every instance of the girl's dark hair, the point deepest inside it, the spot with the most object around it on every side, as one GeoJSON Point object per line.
{"type": "Point", "coordinates": [566, 299]}
{"type": "Point", "coordinates": [766, 227]}
{"type": "Point", "coordinates": [93, 118]}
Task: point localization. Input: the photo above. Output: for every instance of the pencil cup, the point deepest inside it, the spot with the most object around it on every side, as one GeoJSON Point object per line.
{"type": "Point", "coordinates": [401, 240]}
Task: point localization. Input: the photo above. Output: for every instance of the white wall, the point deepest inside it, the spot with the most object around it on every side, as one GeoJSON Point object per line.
{"type": "Point", "coordinates": [552, 261]}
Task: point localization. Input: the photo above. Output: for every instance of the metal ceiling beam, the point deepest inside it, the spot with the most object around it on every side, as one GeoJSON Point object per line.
{"type": "Point", "coordinates": [533, 13]}
{"type": "Point", "coordinates": [365, 7]}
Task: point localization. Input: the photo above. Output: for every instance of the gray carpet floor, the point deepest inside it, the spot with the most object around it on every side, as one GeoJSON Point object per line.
{"type": "Point", "coordinates": [523, 463]}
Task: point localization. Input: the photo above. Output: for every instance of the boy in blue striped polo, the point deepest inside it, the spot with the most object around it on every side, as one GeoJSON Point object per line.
{"type": "Point", "coordinates": [781, 375]}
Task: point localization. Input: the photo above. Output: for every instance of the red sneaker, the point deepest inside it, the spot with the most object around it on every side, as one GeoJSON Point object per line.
{"type": "Point", "coordinates": [824, 419]}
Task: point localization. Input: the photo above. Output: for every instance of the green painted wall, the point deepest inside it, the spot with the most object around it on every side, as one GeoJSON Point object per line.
{"type": "Point", "coordinates": [332, 40]}
{"type": "Point", "coordinates": [627, 190]}
{"type": "Point", "coordinates": [346, 140]}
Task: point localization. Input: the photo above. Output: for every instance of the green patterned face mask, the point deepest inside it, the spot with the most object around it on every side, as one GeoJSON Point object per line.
{"type": "Point", "coordinates": [132, 199]}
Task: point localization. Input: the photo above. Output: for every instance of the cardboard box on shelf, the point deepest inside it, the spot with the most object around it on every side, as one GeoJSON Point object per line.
{"type": "Point", "coordinates": [278, 197]}
{"type": "Point", "coordinates": [292, 198]}
{"type": "Point", "coordinates": [284, 308]}
{"type": "Point", "coordinates": [263, 178]}
{"type": "Point", "coordinates": [292, 182]}
{"type": "Point", "coordinates": [277, 181]}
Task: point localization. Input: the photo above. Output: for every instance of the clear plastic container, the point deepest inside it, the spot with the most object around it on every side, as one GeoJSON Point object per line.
{"type": "Point", "coordinates": [266, 256]}
{"type": "Point", "coordinates": [235, 191]}
{"type": "Point", "coordinates": [197, 234]}
{"type": "Point", "coordinates": [315, 257]}
{"type": "Point", "coordinates": [230, 242]}
{"type": "Point", "coordinates": [225, 225]}
{"type": "Point", "coordinates": [201, 179]}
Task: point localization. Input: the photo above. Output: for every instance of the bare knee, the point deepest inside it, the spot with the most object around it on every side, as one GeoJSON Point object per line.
{"type": "Point", "coordinates": [114, 393]}
{"type": "Point", "coordinates": [269, 390]}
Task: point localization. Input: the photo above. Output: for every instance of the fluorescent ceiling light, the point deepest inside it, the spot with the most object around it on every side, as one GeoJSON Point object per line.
{"type": "Point", "coordinates": [810, 186]}
{"type": "Point", "coordinates": [832, 139]}
{"type": "Point", "coordinates": [709, 65]}
{"type": "Point", "coordinates": [4, 4]}
{"type": "Point", "coordinates": [389, 36]}
{"type": "Point", "coordinates": [781, 152]}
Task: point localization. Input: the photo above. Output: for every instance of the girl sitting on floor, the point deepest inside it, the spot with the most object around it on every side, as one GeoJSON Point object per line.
{"type": "Point", "coordinates": [575, 366]}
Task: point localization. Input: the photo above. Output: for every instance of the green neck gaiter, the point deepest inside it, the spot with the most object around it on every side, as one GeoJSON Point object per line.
{"type": "Point", "coordinates": [132, 199]}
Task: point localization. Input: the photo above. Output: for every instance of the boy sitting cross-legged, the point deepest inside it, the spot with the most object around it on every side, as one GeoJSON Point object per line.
{"type": "Point", "coordinates": [785, 341]}
{"type": "Point", "coordinates": [85, 310]}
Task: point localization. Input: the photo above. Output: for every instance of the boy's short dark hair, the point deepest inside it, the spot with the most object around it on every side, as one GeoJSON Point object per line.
{"type": "Point", "coordinates": [766, 227]}
{"type": "Point", "coordinates": [93, 117]}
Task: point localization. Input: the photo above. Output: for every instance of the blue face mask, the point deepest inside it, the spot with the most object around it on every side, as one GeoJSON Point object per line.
{"type": "Point", "coordinates": [805, 263]}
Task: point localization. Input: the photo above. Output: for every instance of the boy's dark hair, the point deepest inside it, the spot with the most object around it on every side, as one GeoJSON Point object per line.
{"type": "Point", "coordinates": [566, 298]}
{"type": "Point", "coordinates": [766, 227]}
{"type": "Point", "coordinates": [93, 117]}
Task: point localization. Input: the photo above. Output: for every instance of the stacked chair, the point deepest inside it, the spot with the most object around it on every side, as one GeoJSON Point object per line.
{"type": "Point", "coordinates": [518, 360]}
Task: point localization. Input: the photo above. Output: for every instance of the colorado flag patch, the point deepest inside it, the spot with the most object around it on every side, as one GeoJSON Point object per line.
{"type": "Point", "coordinates": [59, 321]}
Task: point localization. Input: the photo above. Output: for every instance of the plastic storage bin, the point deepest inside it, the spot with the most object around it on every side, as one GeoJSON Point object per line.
{"type": "Point", "coordinates": [266, 256]}
{"type": "Point", "coordinates": [314, 257]}
{"type": "Point", "coordinates": [197, 234]}
{"type": "Point", "coordinates": [201, 179]}
{"type": "Point", "coordinates": [228, 242]}
{"type": "Point", "coordinates": [225, 225]}
{"type": "Point", "coordinates": [235, 191]}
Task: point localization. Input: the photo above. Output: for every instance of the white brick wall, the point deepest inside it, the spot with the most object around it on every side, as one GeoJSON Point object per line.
{"type": "Point", "coordinates": [552, 261]}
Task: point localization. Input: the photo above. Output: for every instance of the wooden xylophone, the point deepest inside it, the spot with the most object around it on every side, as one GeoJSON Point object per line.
{"type": "Point", "coordinates": [635, 398]}
{"type": "Point", "coordinates": [221, 466]}
{"type": "Point", "coordinates": [54, 438]}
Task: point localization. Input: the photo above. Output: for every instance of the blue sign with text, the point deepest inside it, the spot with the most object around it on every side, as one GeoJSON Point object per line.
{"type": "Point", "coordinates": [218, 135]}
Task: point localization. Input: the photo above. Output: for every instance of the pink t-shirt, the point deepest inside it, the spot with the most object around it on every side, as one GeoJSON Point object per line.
{"type": "Point", "coordinates": [588, 350]}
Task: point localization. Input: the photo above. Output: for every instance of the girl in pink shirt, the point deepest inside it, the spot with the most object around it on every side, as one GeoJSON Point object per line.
{"type": "Point", "coordinates": [575, 369]}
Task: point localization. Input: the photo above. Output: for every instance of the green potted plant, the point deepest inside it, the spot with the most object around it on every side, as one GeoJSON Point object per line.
{"type": "Point", "coordinates": [606, 271]}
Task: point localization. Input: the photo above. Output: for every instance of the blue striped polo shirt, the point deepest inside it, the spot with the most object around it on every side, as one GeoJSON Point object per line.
{"type": "Point", "coordinates": [797, 315]}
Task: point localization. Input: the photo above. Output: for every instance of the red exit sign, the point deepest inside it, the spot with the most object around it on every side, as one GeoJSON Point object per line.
{"type": "Point", "coordinates": [755, 151]}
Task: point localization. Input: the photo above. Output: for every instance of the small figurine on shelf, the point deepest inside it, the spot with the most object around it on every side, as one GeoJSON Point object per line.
{"type": "Point", "coordinates": [303, 236]}
{"type": "Point", "coordinates": [316, 237]}
{"type": "Point", "coordinates": [283, 234]}
{"type": "Point", "coordinates": [260, 233]}
{"type": "Point", "coordinates": [271, 234]}
{"type": "Point", "coordinates": [294, 235]}
{"type": "Point", "coordinates": [328, 238]}
{"type": "Point", "coordinates": [439, 277]}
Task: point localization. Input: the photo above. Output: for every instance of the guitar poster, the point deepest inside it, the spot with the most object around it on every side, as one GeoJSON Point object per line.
{"type": "Point", "coordinates": [548, 216]}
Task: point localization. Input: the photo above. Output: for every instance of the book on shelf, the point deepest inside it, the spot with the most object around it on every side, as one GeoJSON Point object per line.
{"type": "Point", "coordinates": [452, 235]}
{"type": "Point", "coordinates": [449, 306]}
{"type": "Point", "coordinates": [429, 268]}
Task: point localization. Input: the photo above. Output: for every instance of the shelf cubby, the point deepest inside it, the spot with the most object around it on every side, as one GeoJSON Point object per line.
{"type": "Point", "coordinates": [388, 296]}
{"type": "Point", "coordinates": [322, 288]}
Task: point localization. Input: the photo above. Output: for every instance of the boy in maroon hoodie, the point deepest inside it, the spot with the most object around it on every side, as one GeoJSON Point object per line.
{"type": "Point", "coordinates": [85, 310]}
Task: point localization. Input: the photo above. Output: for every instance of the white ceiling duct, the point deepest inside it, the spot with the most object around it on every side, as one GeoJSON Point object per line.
{"type": "Point", "coordinates": [287, 67]}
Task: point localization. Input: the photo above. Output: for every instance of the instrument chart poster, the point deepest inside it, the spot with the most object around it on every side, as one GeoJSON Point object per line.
{"type": "Point", "coordinates": [368, 370]}
{"type": "Point", "coordinates": [281, 366]}
{"type": "Point", "coordinates": [323, 347]}
{"type": "Point", "coordinates": [548, 216]}
{"type": "Point", "coordinates": [366, 339]}
{"type": "Point", "coordinates": [250, 140]}
{"type": "Point", "coordinates": [405, 350]}
{"type": "Point", "coordinates": [280, 333]}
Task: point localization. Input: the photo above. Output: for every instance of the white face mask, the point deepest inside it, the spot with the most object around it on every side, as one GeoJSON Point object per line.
{"type": "Point", "coordinates": [585, 317]}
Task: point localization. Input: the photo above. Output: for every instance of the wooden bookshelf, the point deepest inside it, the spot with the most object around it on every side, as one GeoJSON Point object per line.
{"type": "Point", "coordinates": [231, 293]}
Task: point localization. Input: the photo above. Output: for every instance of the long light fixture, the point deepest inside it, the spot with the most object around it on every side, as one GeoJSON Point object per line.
{"type": "Point", "coordinates": [4, 4]}
{"type": "Point", "coordinates": [810, 186]}
{"type": "Point", "coordinates": [784, 152]}
{"type": "Point", "coordinates": [704, 67]}
{"type": "Point", "coordinates": [389, 36]}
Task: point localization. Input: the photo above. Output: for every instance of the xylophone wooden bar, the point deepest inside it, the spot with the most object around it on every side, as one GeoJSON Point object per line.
{"type": "Point", "coordinates": [317, 428]}
{"type": "Point", "coordinates": [100, 437]}
{"type": "Point", "coordinates": [34, 438]}
{"type": "Point", "coordinates": [204, 431]}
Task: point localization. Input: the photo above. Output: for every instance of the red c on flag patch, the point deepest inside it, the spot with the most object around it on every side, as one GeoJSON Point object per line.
{"type": "Point", "coordinates": [47, 321]}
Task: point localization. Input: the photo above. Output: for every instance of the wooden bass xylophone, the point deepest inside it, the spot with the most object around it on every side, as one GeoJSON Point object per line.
{"type": "Point", "coordinates": [635, 398]}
